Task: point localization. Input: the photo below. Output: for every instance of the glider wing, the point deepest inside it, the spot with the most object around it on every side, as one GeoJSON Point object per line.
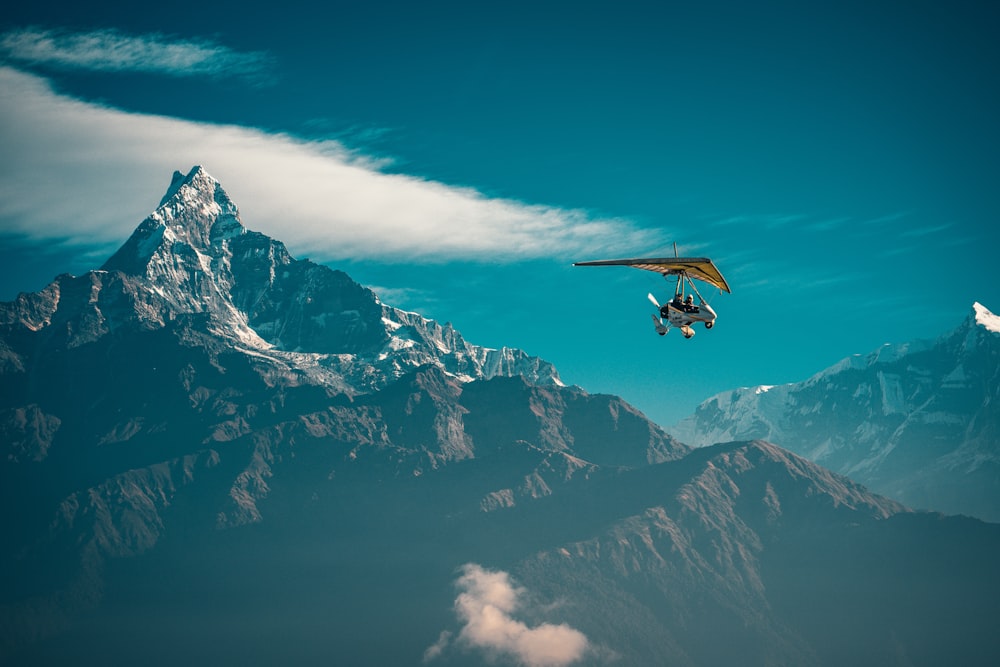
{"type": "Point", "coordinates": [701, 268]}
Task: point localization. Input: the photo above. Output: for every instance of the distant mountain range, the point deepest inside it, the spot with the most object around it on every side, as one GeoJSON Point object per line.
{"type": "Point", "coordinates": [214, 453]}
{"type": "Point", "coordinates": [918, 422]}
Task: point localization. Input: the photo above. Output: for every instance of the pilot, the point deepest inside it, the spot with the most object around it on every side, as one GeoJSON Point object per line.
{"type": "Point", "coordinates": [689, 304]}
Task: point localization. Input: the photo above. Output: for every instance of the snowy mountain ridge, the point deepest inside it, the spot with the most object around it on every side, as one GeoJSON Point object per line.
{"type": "Point", "coordinates": [192, 257]}
{"type": "Point", "coordinates": [917, 421]}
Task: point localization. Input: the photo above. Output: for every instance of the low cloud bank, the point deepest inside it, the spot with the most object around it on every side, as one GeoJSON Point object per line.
{"type": "Point", "coordinates": [486, 605]}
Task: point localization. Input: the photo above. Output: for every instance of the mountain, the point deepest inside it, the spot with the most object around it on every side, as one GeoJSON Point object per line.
{"type": "Point", "coordinates": [214, 453]}
{"type": "Point", "coordinates": [919, 422]}
{"type": "Point", "coordinates": [193, 261]}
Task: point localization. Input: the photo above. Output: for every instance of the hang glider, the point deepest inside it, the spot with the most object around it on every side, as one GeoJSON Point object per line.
{"type": "Point", "coordinates": [681, 311]}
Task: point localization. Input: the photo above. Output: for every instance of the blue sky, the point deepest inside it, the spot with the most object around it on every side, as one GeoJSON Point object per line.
{"type": "Point", "coordinates": [838, 161]}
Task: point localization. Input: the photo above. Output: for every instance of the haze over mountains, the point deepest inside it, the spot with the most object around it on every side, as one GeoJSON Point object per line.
{"type": "Point", "coordinates": [215, 453]}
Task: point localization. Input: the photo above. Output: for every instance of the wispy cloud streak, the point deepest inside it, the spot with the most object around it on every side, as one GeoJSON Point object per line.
{"type": "Point", "coordinates": [920, 232]}
{"type": "Point", "coordinates": [111, 50]}
{"type": "Point", "coordinates": [78, 170]}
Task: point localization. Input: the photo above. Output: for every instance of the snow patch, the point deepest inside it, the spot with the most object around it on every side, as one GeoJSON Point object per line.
{"type": "Point", "coordinates": [156, 238]}
{"type": "Point", "coordinates": [893, 401]}
{"type": "Point", "coordinates": [985, 318]}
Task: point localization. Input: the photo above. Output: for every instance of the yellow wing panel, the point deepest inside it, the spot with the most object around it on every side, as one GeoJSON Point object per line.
{"type": "Point", "coordinates": [701, 268]}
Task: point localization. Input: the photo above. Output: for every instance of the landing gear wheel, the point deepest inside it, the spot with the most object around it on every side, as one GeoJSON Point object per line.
{"type": "Point", "coordinates": [709, 325]}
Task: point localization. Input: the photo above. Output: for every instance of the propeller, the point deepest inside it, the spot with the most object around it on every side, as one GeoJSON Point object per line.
{"type": "Point", "coordinates": [661, 328]}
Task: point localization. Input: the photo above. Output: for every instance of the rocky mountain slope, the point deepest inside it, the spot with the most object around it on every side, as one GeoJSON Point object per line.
{"type": "Point", "coordinates": [214, 453]}
{"type": "Point", "coordinates": [919, 422]}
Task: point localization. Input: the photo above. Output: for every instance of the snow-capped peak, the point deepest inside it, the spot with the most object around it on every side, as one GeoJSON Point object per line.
{"type": "Point", "coordinates": [193, 255]}
{"type": "Point", "coordinates": [985, 318]}
{"type": "Point", "coordinates": [198, 206]}
{"type": "Point", "coordinates": [175, 184]}
{"type": "Point", "coordinates": [196, 216]}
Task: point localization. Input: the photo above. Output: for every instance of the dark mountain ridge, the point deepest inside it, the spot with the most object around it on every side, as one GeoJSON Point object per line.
{"type": "Point", "coordinates": [215, 453]}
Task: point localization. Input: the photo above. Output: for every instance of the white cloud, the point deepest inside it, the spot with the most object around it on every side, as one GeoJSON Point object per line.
{"type": "Point", "coordinates": [437, 648]}
{"type": "Point", "coordinates": [111, 50]}
{"type": "Point", "coordinates": [485, 606]}
{"type": "Point", "coordinates": [90, 173]}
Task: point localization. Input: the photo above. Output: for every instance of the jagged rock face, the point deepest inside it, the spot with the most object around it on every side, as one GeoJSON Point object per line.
{"type": "Point", "coordinates": [919, 422]}
{"type": "Point", "coordinates": [198, 257]}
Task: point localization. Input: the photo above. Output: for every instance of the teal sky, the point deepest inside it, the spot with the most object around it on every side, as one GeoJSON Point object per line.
{"type": "Point", "coordinates": [839, 162]}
